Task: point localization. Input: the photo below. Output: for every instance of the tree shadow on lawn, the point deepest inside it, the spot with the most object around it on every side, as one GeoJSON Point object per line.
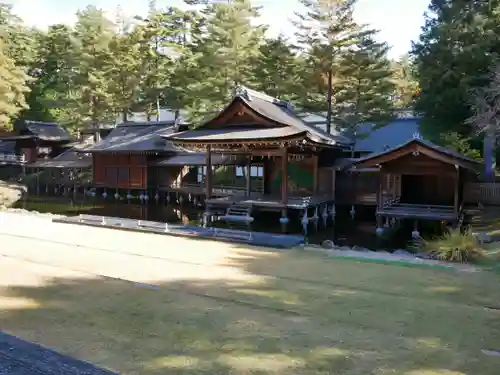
{"type": "Point", "coordinates": [303, 314]}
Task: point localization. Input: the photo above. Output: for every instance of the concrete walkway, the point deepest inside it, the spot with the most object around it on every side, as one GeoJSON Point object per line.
{"type": "Point", "coordinates": [19, 357]}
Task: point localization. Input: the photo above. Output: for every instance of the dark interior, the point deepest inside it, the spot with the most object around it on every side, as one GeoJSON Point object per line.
{"type": "Point", "coordinates": [427, 189]}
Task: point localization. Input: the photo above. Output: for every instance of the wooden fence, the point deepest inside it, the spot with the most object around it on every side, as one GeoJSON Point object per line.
{"type": "Point", "coordinates": [484, 192]}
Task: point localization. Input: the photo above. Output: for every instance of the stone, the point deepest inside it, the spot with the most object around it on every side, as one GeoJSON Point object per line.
{"type": "Point", "coordinates": [359, 248]}
{"type": "Point", "coordinates": [327, 244]}
{"type": "Point", "coordinates": [402, 252]}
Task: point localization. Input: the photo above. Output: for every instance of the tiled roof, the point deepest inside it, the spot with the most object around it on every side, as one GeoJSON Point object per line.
{"type": "Point", "coordinates": [236, 134]}
{"type": "Point", "coordinates": [197, 158]}
{"type": "Point", "coordinates": [277, 111]}
{"type": "Point", "coordinates": [137, 137]}
{"type": "Point", "coordinates": [71, 158]}
{"type": "Point", "coordinates": [46, 131]}
{"type": "Point", "coordinates": [445, 151]}
{"type": "Point", "coordinates": [370, 138]}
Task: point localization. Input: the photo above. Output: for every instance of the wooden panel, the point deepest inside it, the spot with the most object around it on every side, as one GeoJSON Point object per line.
{"type": "Point", "coordinates": [325, 180]}
{"type": "Point", "coordinates": [237, 113]}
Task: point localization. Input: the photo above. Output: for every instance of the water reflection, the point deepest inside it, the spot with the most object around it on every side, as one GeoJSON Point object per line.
{"type": "Point", "coordinates": [343, 232]}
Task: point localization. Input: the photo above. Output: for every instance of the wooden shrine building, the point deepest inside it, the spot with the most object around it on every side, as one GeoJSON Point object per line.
{"type": "Point", "coordinates": [420, 180]}
{"type": "Point", "coordinates": [286, 164]}
{"type": "Point", "coordinates": [120, 161]}
{"type": "Point", "coordinates": [35, 140]}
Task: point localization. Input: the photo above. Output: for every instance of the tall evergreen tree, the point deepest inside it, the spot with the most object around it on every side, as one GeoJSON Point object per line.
{"type": "Point", "coordinates": [326, 31]}
{"type": "Point", "coordinates": [90, 97]}
{"type": "Point", "coordinates": [125, 76]}
{"type": "Point", "coordinates": [275, 70]}
{"type": "Point", "coordinates": [406, 89]}
{"type": "Point", "coordinates": [458, 44]}
{"type": "Point", "coordinates": [222, 54]}
{"type": "Point", "coordinates": [12, 88]}
{"type": "Point", "coordinates": [51, 70]}
{"type": "Point", "coordinates": [366, 94]}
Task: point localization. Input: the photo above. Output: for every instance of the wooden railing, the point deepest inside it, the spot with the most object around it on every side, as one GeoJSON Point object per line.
{"type": "Point", "coordinates": [483, 192]}
{"type": "Point", "coordinates": [12, 158]}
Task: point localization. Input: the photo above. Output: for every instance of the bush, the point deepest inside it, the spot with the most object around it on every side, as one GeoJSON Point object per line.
{"type": "Point", "coordinates": [454, 246]}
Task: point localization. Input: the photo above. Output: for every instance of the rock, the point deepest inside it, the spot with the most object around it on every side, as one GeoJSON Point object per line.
{"type": "Point", "coordinates": [327, 244]}
{"type": "Point", "coordinates": [422, 255]}
{"type": "Point", "coordinates": [402, 252]}
{"type": "Point", "coordinates": [359, 248]}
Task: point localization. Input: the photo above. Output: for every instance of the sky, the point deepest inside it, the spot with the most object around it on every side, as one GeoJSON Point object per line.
{"type": "Point", "coordinates": [399, 21]}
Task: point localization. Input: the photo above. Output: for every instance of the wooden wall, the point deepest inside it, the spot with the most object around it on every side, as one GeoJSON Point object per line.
{"type": "Point", "coordinates": [120, 171]}
{"type": "Point", "coordinates": [300, 177]}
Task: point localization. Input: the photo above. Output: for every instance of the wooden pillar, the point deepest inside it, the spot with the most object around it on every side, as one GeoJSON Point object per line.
{"type": "Point", "coordinates": [456, 198]}
{"type": "Point", "coordinates": [380, 188]}
{"type": "Point", "coordinates": [208, 177]}
{"type": "Point", "coordinates": [334, 182]}
{"type": "Point", "coordinates": [284, 176]}
{"type": "Point", "coordinates": [249, 177]}
{"type": "Point", "coordinates": [315, 174]}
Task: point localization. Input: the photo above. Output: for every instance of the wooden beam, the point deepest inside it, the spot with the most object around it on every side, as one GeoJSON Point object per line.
{"type": "Point", "coordinates": [208, 177]}
{"type": "Point", "coordinates": [284, 176]}
{"type": "Point", "coordinates": [456, 193]}
{"type": "Point", "coordinates": [249, 176]}
{"type": "Point", "coordinates": [315, 173]}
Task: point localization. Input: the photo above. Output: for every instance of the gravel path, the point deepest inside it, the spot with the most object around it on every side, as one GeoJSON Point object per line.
{"type": "Point", "coordinates": [18, 357]}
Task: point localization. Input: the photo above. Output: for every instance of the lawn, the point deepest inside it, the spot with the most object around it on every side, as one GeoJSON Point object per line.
{"type": "Point", "coordinates": [294, 313]}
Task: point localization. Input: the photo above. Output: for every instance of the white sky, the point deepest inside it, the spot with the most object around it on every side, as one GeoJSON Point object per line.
{"type": "Point", "coordinates": [398, 20]}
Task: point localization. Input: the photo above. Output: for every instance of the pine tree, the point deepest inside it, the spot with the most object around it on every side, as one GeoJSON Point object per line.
{"type": "Point", "coordinates": [221, 55]}
{"type": "Point", "coordinates": [275, 69]}
{"type": "Point", "coordinates": [12, 88]}
{"type": "Point", "coordinates": [125, 76]}
{"type": "Point", "coordinates": [51, 70]}
{"type": "Point", "coordinates": [406, 84]}
{"type": "Point", "coordinates": [90, 98]}
{"type": "Point", "coordinates": [326, 31]}
{"type": "Point", "coordinates": [458, 45]}
{"type": "Point", "coordinates": [366, 94]}
{"type": "Point", "coordinates": [162, 41]}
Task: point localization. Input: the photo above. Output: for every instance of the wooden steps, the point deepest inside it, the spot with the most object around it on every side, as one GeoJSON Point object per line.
{"type": "Point", "coordinates": [237, 213]}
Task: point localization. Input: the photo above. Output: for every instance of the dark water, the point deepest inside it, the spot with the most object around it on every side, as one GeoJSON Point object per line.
{"type": "Point", "coordinates": [344, 231]}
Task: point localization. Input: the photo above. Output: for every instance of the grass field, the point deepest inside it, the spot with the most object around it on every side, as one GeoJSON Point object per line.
{"type": "Point", "coordinates": [292, 313]}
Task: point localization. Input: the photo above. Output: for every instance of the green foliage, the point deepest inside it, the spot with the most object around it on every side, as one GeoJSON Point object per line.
{"type": "Point", "coordinates": [344, 60]}
{"type": "Point", "coordinates": [461, 144]}
{"type": "Point", "coordinates": [455, 246]}
{"type": "Point", "coordinates": [192, 60]}
{"type": "Point", "coordinates": [456, 49]}
{"type": "Point", "coordinates": [12, 88]}
{"type": "Point", "coordinates": [406, 84]}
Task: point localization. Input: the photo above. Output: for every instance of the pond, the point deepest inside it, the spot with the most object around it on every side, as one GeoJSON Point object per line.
{"type": "Point", "coordinates": [344, 231]}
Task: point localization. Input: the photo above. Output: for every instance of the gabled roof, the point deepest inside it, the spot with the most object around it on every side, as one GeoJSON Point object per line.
{"type": "Point", "coordinates": [370, 138]}
{"type": "Point", "coordinates": [446, 155]}
{"type": "Point", "coordinates": [45, 131]}
{"type": "Point", "coordinates": [137, 137]}
{"type": "Point", "coordinates": [71, 158]}
{"type": "Point", "coordinates": [285, 124]}
{"type": "Point", "coordinates": [7, 147]}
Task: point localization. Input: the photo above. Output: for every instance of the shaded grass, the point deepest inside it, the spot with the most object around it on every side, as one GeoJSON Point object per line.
{"type": "Point", "coordinates": [307, 314]}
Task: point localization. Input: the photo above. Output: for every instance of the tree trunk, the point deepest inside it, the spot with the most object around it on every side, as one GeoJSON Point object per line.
{"type": "Point", "coordinates": [489, 153]}
{"type": "Point", "coordinates": [125, 115]}
{"type": "Point", "coordinates": [329, 102]}
{"type": "Point", "coordinates": [95, 120]}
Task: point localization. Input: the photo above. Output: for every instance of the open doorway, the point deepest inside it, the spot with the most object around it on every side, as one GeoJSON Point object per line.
{"type": "Point", "coordinates": [427, 189]}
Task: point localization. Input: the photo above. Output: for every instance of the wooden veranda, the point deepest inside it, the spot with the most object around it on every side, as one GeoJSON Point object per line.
{"type": "Point", "coordinates": [421, 181]}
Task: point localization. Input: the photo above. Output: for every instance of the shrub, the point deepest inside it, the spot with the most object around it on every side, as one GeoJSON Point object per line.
{"type": "Point", "coordinates": [454, 246]}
